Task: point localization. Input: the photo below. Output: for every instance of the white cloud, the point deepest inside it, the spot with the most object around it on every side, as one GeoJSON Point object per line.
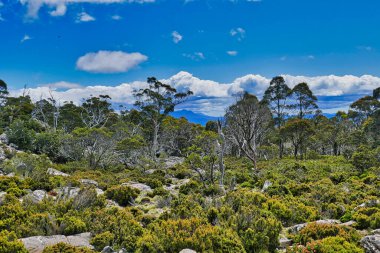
{"type": "Point", "coordinates": [197, 56]}
{"type": "Point", "coordinates": [59, 7]}
{"type": "Point", "coordinates": [62, 85]}
{"type": "Point", "coordinates": [117, 17]}
{"type": "Point", "coordinates": [239, 33]}
{"type": "Point", "coordinates": [84, 17]}
{"type": "Point", "coordinates": [109, 61]}
{"type": "Point", "coordinates": [232, 53]}
{"type": "Point", "coordinates": [310, 57]}
{"type": "Point", "coordinates": [25, 38]}
{"type": "Point", "coordinates": [212, 97]}
{"type": "Point", "coordinates": [177, 37]}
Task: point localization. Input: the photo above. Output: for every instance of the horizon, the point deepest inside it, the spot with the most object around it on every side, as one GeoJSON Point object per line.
{"type": "Point", "coordinates": [95, 47]}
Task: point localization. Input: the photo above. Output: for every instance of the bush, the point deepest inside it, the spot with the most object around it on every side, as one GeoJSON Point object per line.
{"type": "Point", "coordinates": [72, 225]}
{"type": "Point", "coordinates": [326, 245]}
{"type": "Point", "coordinates": [123, 195]}
{"type": "Point", "coordinates": [314, 231]}
{"type": "Point", "coordinates": [65, 248]}
{"type": "Point", "coordinates": [102, 240]}
{"type": "Point", "coordinates": [10, 244]}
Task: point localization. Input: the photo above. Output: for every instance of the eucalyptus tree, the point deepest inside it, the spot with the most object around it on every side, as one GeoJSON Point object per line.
{"type": "Point", "coordinates": [156, 102]}
{"type": "Point", "coordinates": [304, 100]}
{"type": "Point", "coordinates": [247, 124]}
{"type": "Point", "coordinates": [276, 97]}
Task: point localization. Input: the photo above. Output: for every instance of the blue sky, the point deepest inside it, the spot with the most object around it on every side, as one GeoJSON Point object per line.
{"type": "Point", "coordinates": [206, 45]}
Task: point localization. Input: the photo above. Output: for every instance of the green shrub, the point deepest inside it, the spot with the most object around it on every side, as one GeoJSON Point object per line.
{"type": "Point", "coordinates": [72, 225]}
{"type": "Point", "coordinates": [65, 248]}
{"type": "Point", "coordinates": [10, 244]}
{"type": "Point", "coordinates": [102, 240]}
{"type": "Point", "coordinates": [123, 195]}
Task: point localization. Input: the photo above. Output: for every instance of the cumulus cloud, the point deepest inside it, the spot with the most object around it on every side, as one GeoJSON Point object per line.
{"type": "Point", "coordinates": [239, 33]}
{"type": "Point", "coordinates": [212, 97]}
{"type": "Point", "coordinates": [109, 61]}
{"type": "Point", "coordinates": [117, 17]}
{"type": "Point", "coordinates": [59, 7]}
{"type": "Point", "coordinates": [25, 38]}
{"type": "Point", "coordinates": [232, 53]}
{"type": "Point", "coordinates": [84, 17]}
{"type": "Point", "coordinates": [177, 37]}
{"type": "Point", "coordinates": [197, 56]}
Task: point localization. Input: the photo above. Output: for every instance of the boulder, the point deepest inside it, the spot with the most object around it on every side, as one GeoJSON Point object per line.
{"type": "Point", "coordinates": [296, 228]}
{"type": "Point", "coordinates": [55, 172]}
{"type": "Point", "coordinates": [187, 251]}
{"type": "Point", "coordinates": [285, 242]}
{"type": "Point", "coordinates": [36, 196]}
{"type": "Point", "coordinates": [4, 138]}
{"type": "Point", "coordinates": [371, 243]}
{"type": "Point", "coordinates": [99, 191]}
{"type": "Point", "coordinates": [2, 196]}
{"type": "Point", "coordinates": [172, 161]}
{"type": "Point", "coordinates": [108, 249]}
{"type": "Point", "coordinates": [266, 185]}
{"type": "Point", "coordinates": [88, 182]}
{"type": "Point", "coordinates": [370, 203]}
{"type": "Point", "coordinates": [142, 187]}
{"type": "Point", "coordinates": [36, 244]}
{"type": "Point", "coordinates": [67, 192]}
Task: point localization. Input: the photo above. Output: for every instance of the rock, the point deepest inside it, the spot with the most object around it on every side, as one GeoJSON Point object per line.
{"type": "Point", "coordinates": [348, 223]}
{"type": "Point", "coordinates": [187, 251]}
{"type": "Point", "coordinates": [67, 192]}
{"type": "Point", "coordinates": [108, 249]}
{"type": "Point", "coordinates": [80, 240]}
{"type": "Point", "coordinates": [2, 154]}
{"type": "Point", "coordinates": [111, 203]}
{"type": "Point", "coordinates": [2, 173]}
{"type": "Point", "coordinates": [296, 228]}
{"type": "Point", "coordinates": [371, 243]}
{"type": "Point", "coordinates": [142, 187]}
{"type": "Point", "coordinates": [2, 196]}
{"type": "Point", "coordinates": [4, 138]}
{"type": "Point", "coordinates": [88, 182]}
{"type": "Point", "coordinates": [149, 172]}
{"type": "Point", "coordinates": [266, 185]}
{"type": "Point", "coordinates": [99, 191]}
{"type": "Point", "coordinates": [172, 161]}
{"type": "Point", "coordinates": [285, 242]}
{"type": "Point", "coordinates": [370, 203]}
{"type": "Point", "coordinates": [36, 244]}
{"type": "Point", "coordinates": [36, 196]}
{"type": "Point", "coordinates": [376, 231]}
{"type": "Point", "coordinates": [12, 174]}
{"type": "Point", "coordinates": [55, 172]}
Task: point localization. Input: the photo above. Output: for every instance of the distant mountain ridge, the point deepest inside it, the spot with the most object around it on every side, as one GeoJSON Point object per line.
{"type": "Point", "coordinates": [198, 118]}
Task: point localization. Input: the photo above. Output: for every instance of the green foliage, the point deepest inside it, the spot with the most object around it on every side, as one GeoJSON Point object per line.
{"type": "Point", "coordinates": [65, 248]}
{"type": "Point", "coordinates": [10, 244]}
{"type": "Point", "coordinates": [21, 135]}
{"type": "Point", "coordinates": [123, 195]}
{"type": "Point", "coordinates": [102, 240]}
{"type": "Point", "coordinates": [175, 235]}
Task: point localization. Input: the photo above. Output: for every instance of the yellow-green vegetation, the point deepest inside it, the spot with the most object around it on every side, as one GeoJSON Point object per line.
{"type": "Point", "coordinates": [147, 182]}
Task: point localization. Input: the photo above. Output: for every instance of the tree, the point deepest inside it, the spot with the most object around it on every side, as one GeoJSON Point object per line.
{"type": "Point", "coordinates": [96, 111]}
{"type": "Point", "coordinates": [247, 123]}
{"type": "Point", "coordinates": [276, 96]}
{"type": "Point", "coordinates": [365, 107]}
{"type": "Point", "coordinates": [156, 102]}
{"type": "Point", "coordinates": [298, 131]}
{"type": "Point", "coordinates": [376, 93]}
{"type": "Point", "coordinates": [305, 101]}
{"type": "Point", "coordinates": [3, 91]}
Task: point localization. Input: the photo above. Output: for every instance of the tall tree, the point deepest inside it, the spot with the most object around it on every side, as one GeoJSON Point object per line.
{"type": "Point", "coordinates": [304, 100]}
{"type": "Point", "coordinates": [156, 102]}
{"type": "Point", "coordinates": [298, 131]}
{"type": "Point", "coordinates": [247, 123]}
{"type": "Point", "coordinates": [96, 111]}
{"type": "Point", "coordinates": [3, 91]}
{"type": "Point", "coordinates": [276, 96]}
{"type": "Point", "coordinates": [365, 107]}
